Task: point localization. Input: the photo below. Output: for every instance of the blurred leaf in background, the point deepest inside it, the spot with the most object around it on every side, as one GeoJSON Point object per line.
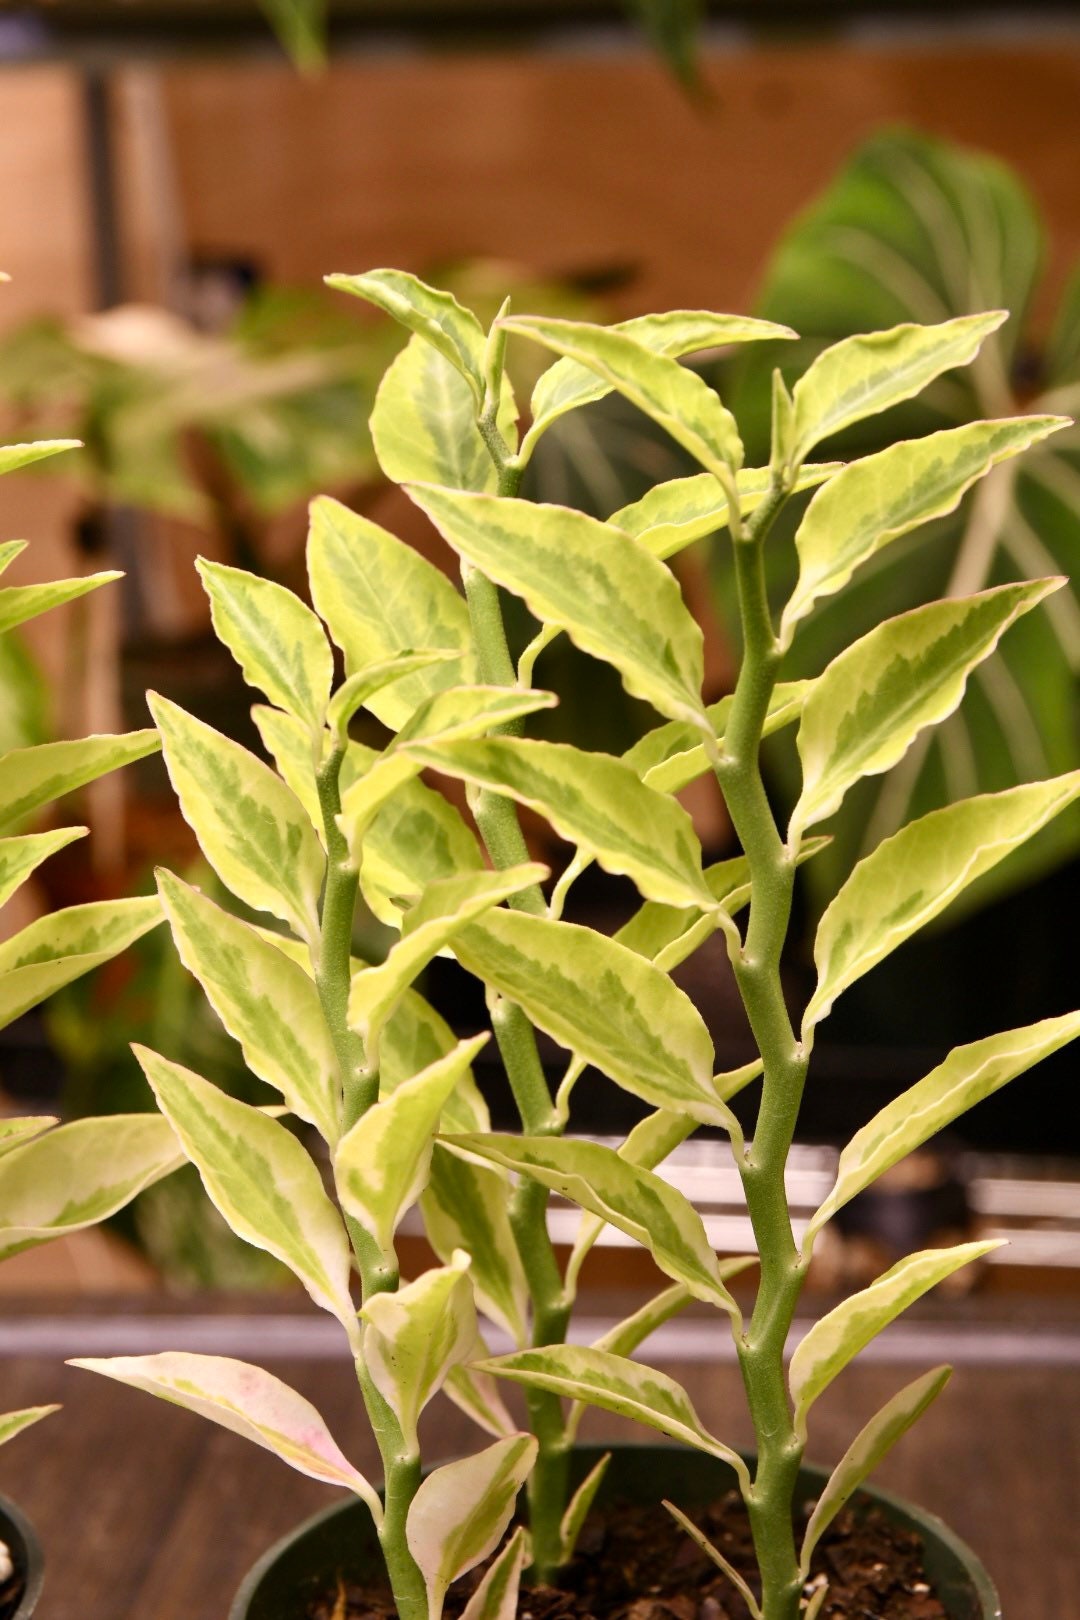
{"type": "Point", "coordinates": [915, 229]}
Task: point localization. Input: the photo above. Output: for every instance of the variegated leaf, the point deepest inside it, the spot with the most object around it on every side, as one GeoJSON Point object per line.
{"type": "Point", "coordinates": [414, 1336]}
{"type": "Point", "coordinates": [465, 1206]}
{"type": "Point", "coordinates": [604, 1002]}
{"type": "Point", "coordinates": [250, 826]}
{"type": "Point", "coordinates": [836, 1338]}
{"type": "Point", "coordinates": [266, 1002]}
{"type": "Point", "coordinates": [459, 1514]}
{"type": "Point", "coordinates": [13, 1423]}
{"type": "Point", "coordinates": [357, 691]}
{"type": "Point", "coordinates": [649, 1143]}
{"type": "Point", "coordinates": [616, 1384]}
{"type": "Point", "coordinates": [671, 756]}
{"type": "Point", "coordinates": [21, 602]}
{"type": "Point", "coordinates": [64, 945]}
{"type": "Point", "coordinates": [864, 712]}
{"type": "Point", "coordinates": [288, 742]}
{"type": "Point", "coordinates": [79, 1175]}
{"type": "Point", "coordinates": [593, 801]}
{"type": "Point", "coordinates": [496, 1598]}
{"type": "Point", "coordinates": [568, 383]}
{"type": "Point", "coordinates": [701, 1540]}
{"type": "Point", "coordinates": [21, 856]}
{"type": "Point", "coordinates": [261, 1179]}
{"type": "Point", "coordinates": [274, 637]}
{"type": "Point", "coordinates": [14, 456]}
{"type": "Point", "coordinates": [679, 400]}
{"type": "Point", "coordinates": [967, 1075]}
{"type": "Point", "coordinates": [632, 1199]}
{"type": "Point", "coordinates": [675, 514]}
{"type": "Point", "coordinates": [912, 876]}
{"type": "Point", "coordinates": [10, 549]}
{"type": "Point", "coordinates": [350, 561]}
{"type": "Point", "coordinates": [577, 1509]}
{"type": "Point", "coordinates": [876, 500]}
{"type": "Point", "coordinates": [477, 1394]}
{"type": "Point", "coordinates": [612, 598]}
{"type": "Point", "coordinates": [16, 1129]}
{"type": "Point", "coordinates": [435, 315]}
{"type": "Point", "coordinates": [443, 909]}
{"type": "Point", "coordinates": [424, 425]}
{"type": "Point", "coordinates": [381, 1164]}
{"type": "Point", "coordinates": [416, 1035]}
{"type": "Point", "coordinates": [860, 376]}
{"type": "Point", "coordinates": [870, 1445]}
{"type": "Point", "coordinates": [249, 1402]}
{"type": "Point", "coordinates": [31, 777]}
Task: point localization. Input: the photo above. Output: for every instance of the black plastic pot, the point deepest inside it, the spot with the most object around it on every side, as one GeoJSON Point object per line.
{"type": "Point", "coordinates": [341, 1540]}
{"type": "Point", "coordinates": [26, 1555]}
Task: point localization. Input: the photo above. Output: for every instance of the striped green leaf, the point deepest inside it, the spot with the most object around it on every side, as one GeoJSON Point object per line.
{"type": "Point", "coordinates": [355, 692]}
{"type": "Point", "coordinates": [21, 856]}
{"type": "Point", "coordinates": [21, 602]}
{"type": "Point", "coordinates": [702, 1541]}
{"type": "Point", "coordinates": [594, 801]}
{"type": "Point", "coordinates": [876, 500]}
{"type": "Point", "coordinates": [266, 1002]}
{"type": "Point", "coordinates": [864, 712]}
{"type": "Point", "coordinates": [860, 376]}
{"type": "Point", "coordinates": [911, 877]}
{"type": "Point", "coordinates": [435, 315]}
{"type": "Point", "coordinates": [442, 910]}
{"type": "Point", "coordinates": [64, 945]}
{"type": "Point", "coordinates": [461, 1511]}
{"type": "Point", "coordinates": [967, 1075]}
{"type": "Point", "coordinates": [611, 597]}
{"type": "Point", "coordinates": [496, 1598]}
{"type": "Point", "coordinates": [424, 423]}
{"type": "Point", "coordinates": [415, 1036]}
{"type": "Point", "coordinates": [675, 514]}
{"type": "Point", "coordinates": [14, 456]}
{"type": "Point", "coordinates": [32, 777]}
{"type": "Point", "coordinates": [870, 1445]}
{"type": "Point", "coordinates": [10, 549]}
{"type": "Point", "coordinates": [13, 1423]}
{"type": "Point", "coordinates": [604, 1002]}
{"type": "Point", "coordinates": [274, 637]}
{"type": "Point", "coordinates": [679, 400]}
{"type": "Point", "coordinates": [80, 1174]}
{"type": "Point", "coordinates": [570, 383]}
{"type": "Point", "coordinates": [649, 1143]}
{"type": "Point", "coordinates": [250, 826]}
{"type": "Point", "coordinates": [247, 1401]}
{"type": "Point", "coordinates": [414, 1336]}
{"type": "Point", "coordinates": [671, 756]}
{"type": "Point", "coordinates": [633, 1200]}
{"type": "Point", "coordinates": [261, 1179]}
{"type": "Point", "coordinates": [836, 1338]}
{"type": "Point", "coordinates": [616, 1384]}
{"type": "Point", "coordinates": [351, 564]}
{"type": "Point", "coordinates": [381, 1164]}
{"type": "Point", "coordinates": [466, 1206]}
{"type": "Point", "coordinates": [417, 837]}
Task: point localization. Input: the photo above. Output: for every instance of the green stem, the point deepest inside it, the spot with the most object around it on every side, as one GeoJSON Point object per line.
{"type": "Point", "coordinates": [360, 1089]}
{"type": "Point", "coordinates": [757, 972]}
{"type": "Point", "coordinates": [500, 829]}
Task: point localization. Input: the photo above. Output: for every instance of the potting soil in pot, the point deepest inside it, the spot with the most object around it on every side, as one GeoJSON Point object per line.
{"type": "Point", "coordinates": [634, 1563]}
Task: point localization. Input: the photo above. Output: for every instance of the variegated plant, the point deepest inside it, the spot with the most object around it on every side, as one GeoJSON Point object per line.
{"type": "Point", "coordinates": [358, 1055]}
{"type": "Point", "coordinates": [56, 1179]}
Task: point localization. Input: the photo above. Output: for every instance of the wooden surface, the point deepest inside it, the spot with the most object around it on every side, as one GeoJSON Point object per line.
{"type": "Point", "coordinates": [148, 1513]}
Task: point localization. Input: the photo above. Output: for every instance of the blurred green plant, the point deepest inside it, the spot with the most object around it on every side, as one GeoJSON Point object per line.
{"type": "Point", "coordinates": [915, 229]}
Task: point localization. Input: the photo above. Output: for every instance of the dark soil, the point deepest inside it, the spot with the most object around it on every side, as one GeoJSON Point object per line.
{"type": "Point", "coordinates": [11, 1592]}
{"type": "Point", "coordinates": [634, 1563]}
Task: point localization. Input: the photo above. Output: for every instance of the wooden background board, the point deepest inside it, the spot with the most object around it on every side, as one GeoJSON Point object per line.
{"type": "Point", "coordinates": [149, 1513]}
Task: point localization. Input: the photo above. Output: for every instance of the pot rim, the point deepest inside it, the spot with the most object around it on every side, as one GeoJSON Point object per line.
{"type": "Point", "coordinates": [28, 1550]}
{"type": "Point", "coordinates": [900, 1506]}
